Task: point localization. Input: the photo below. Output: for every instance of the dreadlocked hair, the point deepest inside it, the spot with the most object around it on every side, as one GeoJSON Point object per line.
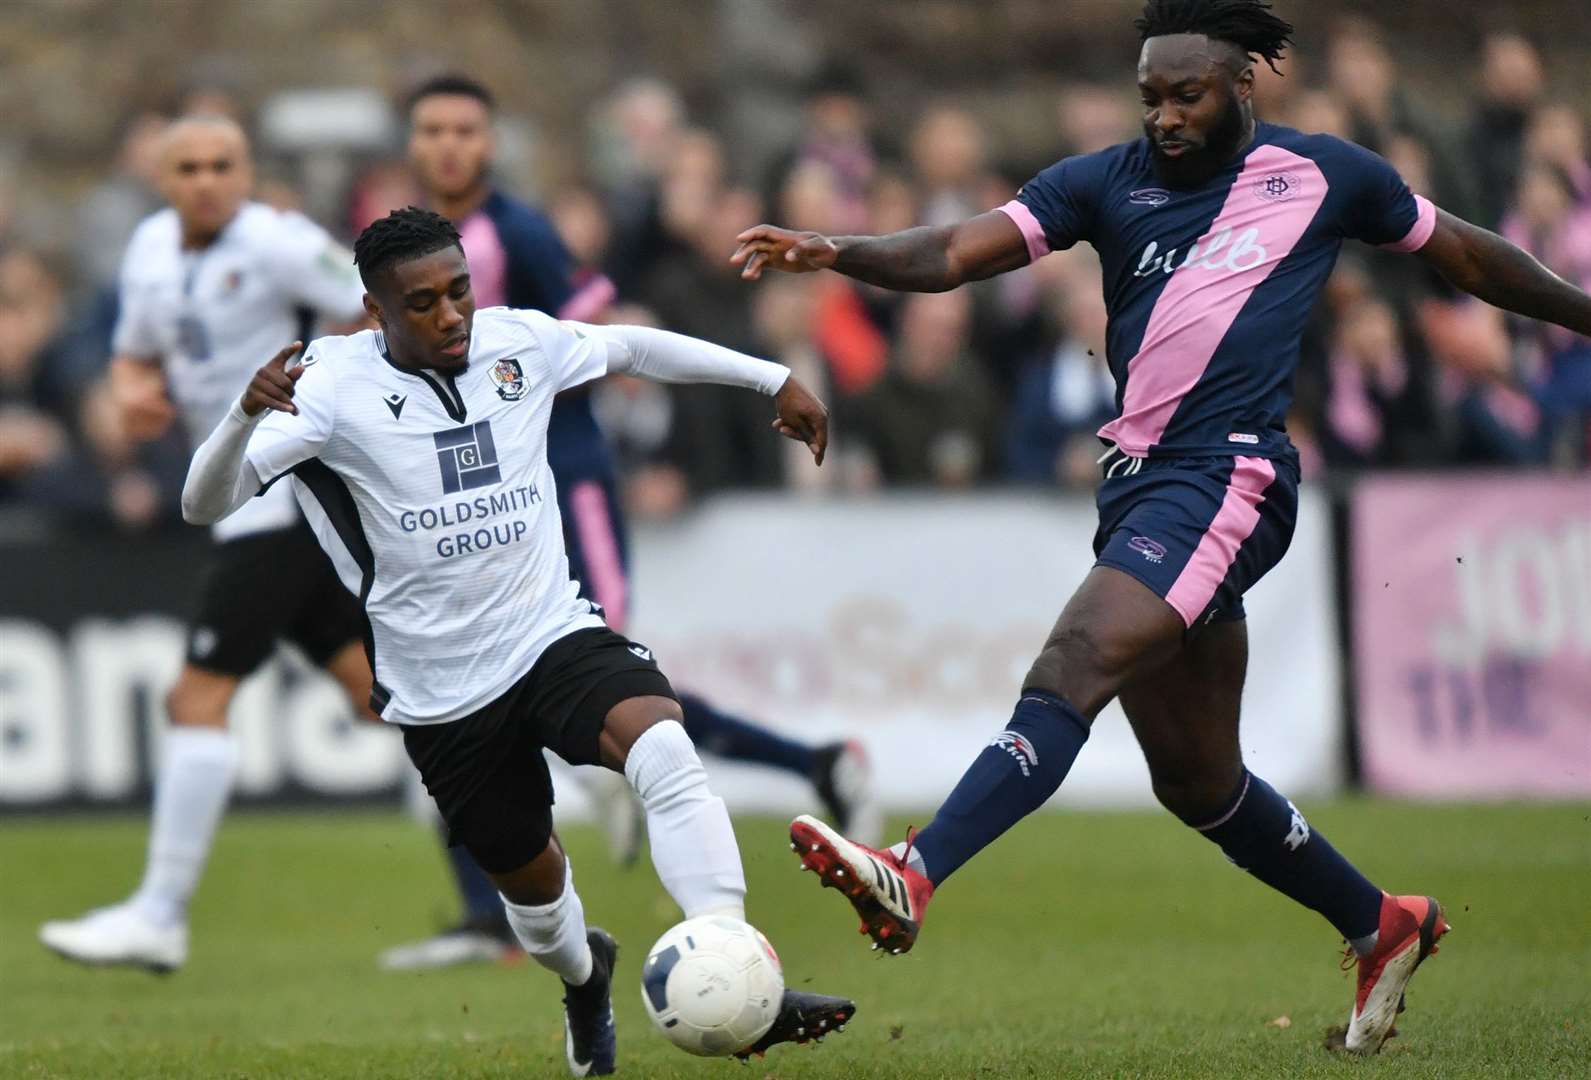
{"type": "Point", "coordinates": [1248, 24]}
{"type": "Point", "coordinates": [400, 236]}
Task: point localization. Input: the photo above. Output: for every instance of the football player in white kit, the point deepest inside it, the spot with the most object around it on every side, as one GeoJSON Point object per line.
{"type": "Point", "coordinates": [210, 284]}
{"type": "Point", "coordinates": [419, 454]}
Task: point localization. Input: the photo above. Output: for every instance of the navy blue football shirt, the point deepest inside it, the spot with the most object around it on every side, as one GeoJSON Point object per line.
{"type": "Point", "coordinates": [1208, 289]}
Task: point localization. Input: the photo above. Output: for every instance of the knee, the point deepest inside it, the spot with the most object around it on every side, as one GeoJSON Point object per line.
{"type": "Point", "coordinates": [633, 719]}
{"type": "Point", "coordinates": [1195, 795]}
{"type": "Point", "coordinates": [540, 881]}
{"type": "Point", "coordinates": [191, 705]}
{"type": "Point", "coordinates": [1082, 664]}
{"type": "Point", "coordinates": [663, 765]}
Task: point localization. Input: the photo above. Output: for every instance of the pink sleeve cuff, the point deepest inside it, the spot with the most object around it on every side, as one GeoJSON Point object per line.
{"type": "Point", "coordinates": [1032, 231]}
{"type": "Point", "coordinates": [1424, 226]}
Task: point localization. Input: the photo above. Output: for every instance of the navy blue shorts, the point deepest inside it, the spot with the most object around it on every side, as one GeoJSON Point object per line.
{"type": "Point", "coordinates": [1198, 531]}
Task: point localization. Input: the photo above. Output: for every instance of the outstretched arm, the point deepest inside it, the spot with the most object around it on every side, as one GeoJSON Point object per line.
{"type": "Point", "coordinates": [668, 357]}
{"type": "Point", "coordinates": [926, 259]}
{"type": "Point", "coordinates": [1486, 266]}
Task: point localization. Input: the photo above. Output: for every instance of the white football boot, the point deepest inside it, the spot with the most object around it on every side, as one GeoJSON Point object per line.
{"type": "Point", "coordinates": [119, 935]}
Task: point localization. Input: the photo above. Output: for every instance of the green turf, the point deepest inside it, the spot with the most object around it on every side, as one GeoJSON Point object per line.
{"type": "Point", "coordinates": [1083, 945]}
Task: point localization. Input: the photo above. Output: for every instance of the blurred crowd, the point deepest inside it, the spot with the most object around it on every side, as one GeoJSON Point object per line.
{"type": "Point", "coordinates": [1000, 383]}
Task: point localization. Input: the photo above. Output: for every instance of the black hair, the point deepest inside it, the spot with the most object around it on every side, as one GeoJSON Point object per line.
{"type": "Point", "coordinates": [452, 84]}
{"type": "Point", "coordinates": [1248, 24]}
{"type": "Point", "coordinates": [400, 236]}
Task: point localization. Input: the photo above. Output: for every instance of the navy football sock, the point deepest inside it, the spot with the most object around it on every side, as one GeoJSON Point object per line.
{"type": "Point", "coordinates": [482, 902]}
{"type": "Point", "coordinates": [1013, 776]}
{"type": "Point", "coordinates": [726, 736]}
{"type": "Point", "coordinates": [1263, 833]}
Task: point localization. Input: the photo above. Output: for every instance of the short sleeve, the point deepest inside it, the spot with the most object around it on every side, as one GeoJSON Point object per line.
{"type": "Point", "coordinates": [1384, 212]}
{"type": "Point", "coordinates": [283, 440]}
{"type": "Point", "coordinates": [315, 270]}
{"type": "Point", "coordinates": [576, 352]}
{"type": "Point", "coordinates": [135, 332]}
{"type": "Point", "coordinates": [1056, 208]}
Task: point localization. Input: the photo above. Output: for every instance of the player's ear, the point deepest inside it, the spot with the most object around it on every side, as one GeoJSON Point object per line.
{"type": "Point", "coordinates": [1244, 84]}
{"type": "Point", "coordinates": [373, 309]}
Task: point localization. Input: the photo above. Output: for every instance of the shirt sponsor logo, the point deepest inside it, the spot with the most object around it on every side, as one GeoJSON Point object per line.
{"type": "Point", "coordinates": [1152, 550]}
{"type": "Point", "coordinates": [1150, 196]}
{"type": "Point", "coordinates": [1223, 251]}
{"type": "Point", "coordinates": [1241, 437]}
{"type": "Point", "coordinates": [1277, 187]}
{"type": "Point", "coordinates": [509, 378]}
{"type": "Point", "coordinates": [467, 457]}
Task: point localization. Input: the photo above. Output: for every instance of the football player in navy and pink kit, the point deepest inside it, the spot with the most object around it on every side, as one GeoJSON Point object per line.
{"type": "Point", "coordinates": [1217, 234]}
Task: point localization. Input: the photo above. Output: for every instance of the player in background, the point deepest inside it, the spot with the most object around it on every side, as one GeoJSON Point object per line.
{"type": "Point", "coordinates": [208, 285]}
{"type": "Point", "coordinates": [517, 259]}
{"type": "Point", "coordinates": [1217, 235]}
{"type": "Point", "coordinates": [419, 454]}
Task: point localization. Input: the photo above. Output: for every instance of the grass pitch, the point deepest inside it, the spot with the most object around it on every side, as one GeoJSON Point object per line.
{"type": "Point", "coordinates": [1081, 945]}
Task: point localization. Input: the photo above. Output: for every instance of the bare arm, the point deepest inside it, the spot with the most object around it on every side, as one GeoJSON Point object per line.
{"type": "Point", "coordinates": [927, 259]}
{"type": "Point", "coordinates": [1488, 267]}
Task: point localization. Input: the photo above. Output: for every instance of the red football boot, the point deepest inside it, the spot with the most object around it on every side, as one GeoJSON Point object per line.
{"type": "Point", "coordinates": [888, 895]}
{"type": "Point", "coordinates": [1410, 928]}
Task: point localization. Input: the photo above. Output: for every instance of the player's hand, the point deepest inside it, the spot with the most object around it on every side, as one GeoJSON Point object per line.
{"type": "Point", "coordinates": [765, 247]}
{"type": "Point", "coordinates": [272, 385]}
{"type": "Point", "coordinates": [138, 390]}
{"type": "Point", "coordinates": [802, 417]}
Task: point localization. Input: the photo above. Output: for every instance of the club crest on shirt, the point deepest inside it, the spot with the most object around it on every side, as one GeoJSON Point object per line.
{"type": "Point", "coordinates": [509, 378]}
{"type": "Point", "coordinates": [1277, 187]}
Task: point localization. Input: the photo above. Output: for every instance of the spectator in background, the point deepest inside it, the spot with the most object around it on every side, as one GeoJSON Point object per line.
{"type": "Point", "coordinates": [42, 409]}
{"type": "Point", "coordinates": [1557, 137]}
{"type": "Point", "coordinates": [1319, 112]}
{"type": "Point", "coordinates": [1363, 77]}
{"type": "Point", "coordinates": [1065, 395]}
{"type": "Point", "coordinates": [1550, 220]}
{"type": "Point", "coordinates": [719, 435]}
{"type": "Point", "coordinates": [931, 420]}
{"type": "Point", "coordinates": [835, 134]}
{"type": "Point", "coordinates": [1511, 87]}
{"type": "Point", "coordinates": [1091, 117]}
{"type": "Point", "coordinates": [949, 158]}
{"type": "Point", "coordinates": [110, 212]}
{"type": "Point", "coordinates": [635, 136]}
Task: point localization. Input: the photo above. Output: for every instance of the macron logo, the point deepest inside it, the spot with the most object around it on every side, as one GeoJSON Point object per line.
{"type": "Point", "coordinates": [1027, 758]}
{"type": "Point", "coordinates": [1298, 833]}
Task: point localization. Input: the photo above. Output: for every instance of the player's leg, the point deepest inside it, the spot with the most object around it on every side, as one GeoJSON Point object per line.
{"type": "Point", "coordinates": [231, 635]}
{"type": "Point", "coordinates": [839, 771]}
{"type": "Point", "coordinates": [604, 701]}
{"type": "Point", "coordinates": [1113, 627]}
{"type": "Point", "coordinates": [1185, 716]}
{"type": "Point", "coordinates": [491, 784]}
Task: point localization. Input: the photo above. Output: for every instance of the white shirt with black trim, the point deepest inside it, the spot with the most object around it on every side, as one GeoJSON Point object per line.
{"type": "Point", "coordinates": [212, 316]}
{"type": "Point", "coordinates": [434, 497]}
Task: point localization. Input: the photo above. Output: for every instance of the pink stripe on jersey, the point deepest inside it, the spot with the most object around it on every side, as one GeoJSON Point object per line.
{"type": "Point", "coordinates": [1424, 226]}
{"type": "Point", "coordinates": [1032, 231]}
{"type": "Point", "coordinates": [483, 248]}
{"type": "Point", "coordinates": [592, 297]}
{"type": "Point", "coordinates": [1259, 226]}
{"type": "Point", "coordinates": [604, 571]}
{"type": "Point", "coordinates": [1217, 550]}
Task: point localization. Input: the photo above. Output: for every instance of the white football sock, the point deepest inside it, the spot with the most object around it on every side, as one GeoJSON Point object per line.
{"type": "Point", "coordinates": [555, 934]}
{"type": "Point", "coordinates": [190, 795]}
{"type": "Point", "coordinates": [693, 844]}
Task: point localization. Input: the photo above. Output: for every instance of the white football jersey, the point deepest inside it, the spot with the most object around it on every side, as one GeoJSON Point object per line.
{"type": "Point", "coordinates": [433, 496]}
{"type": "Point", "coordinates": [212, 316]}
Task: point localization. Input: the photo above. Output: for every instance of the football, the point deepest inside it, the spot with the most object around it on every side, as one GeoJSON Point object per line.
{"type": "Point", "coordinates": [712, 985]}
